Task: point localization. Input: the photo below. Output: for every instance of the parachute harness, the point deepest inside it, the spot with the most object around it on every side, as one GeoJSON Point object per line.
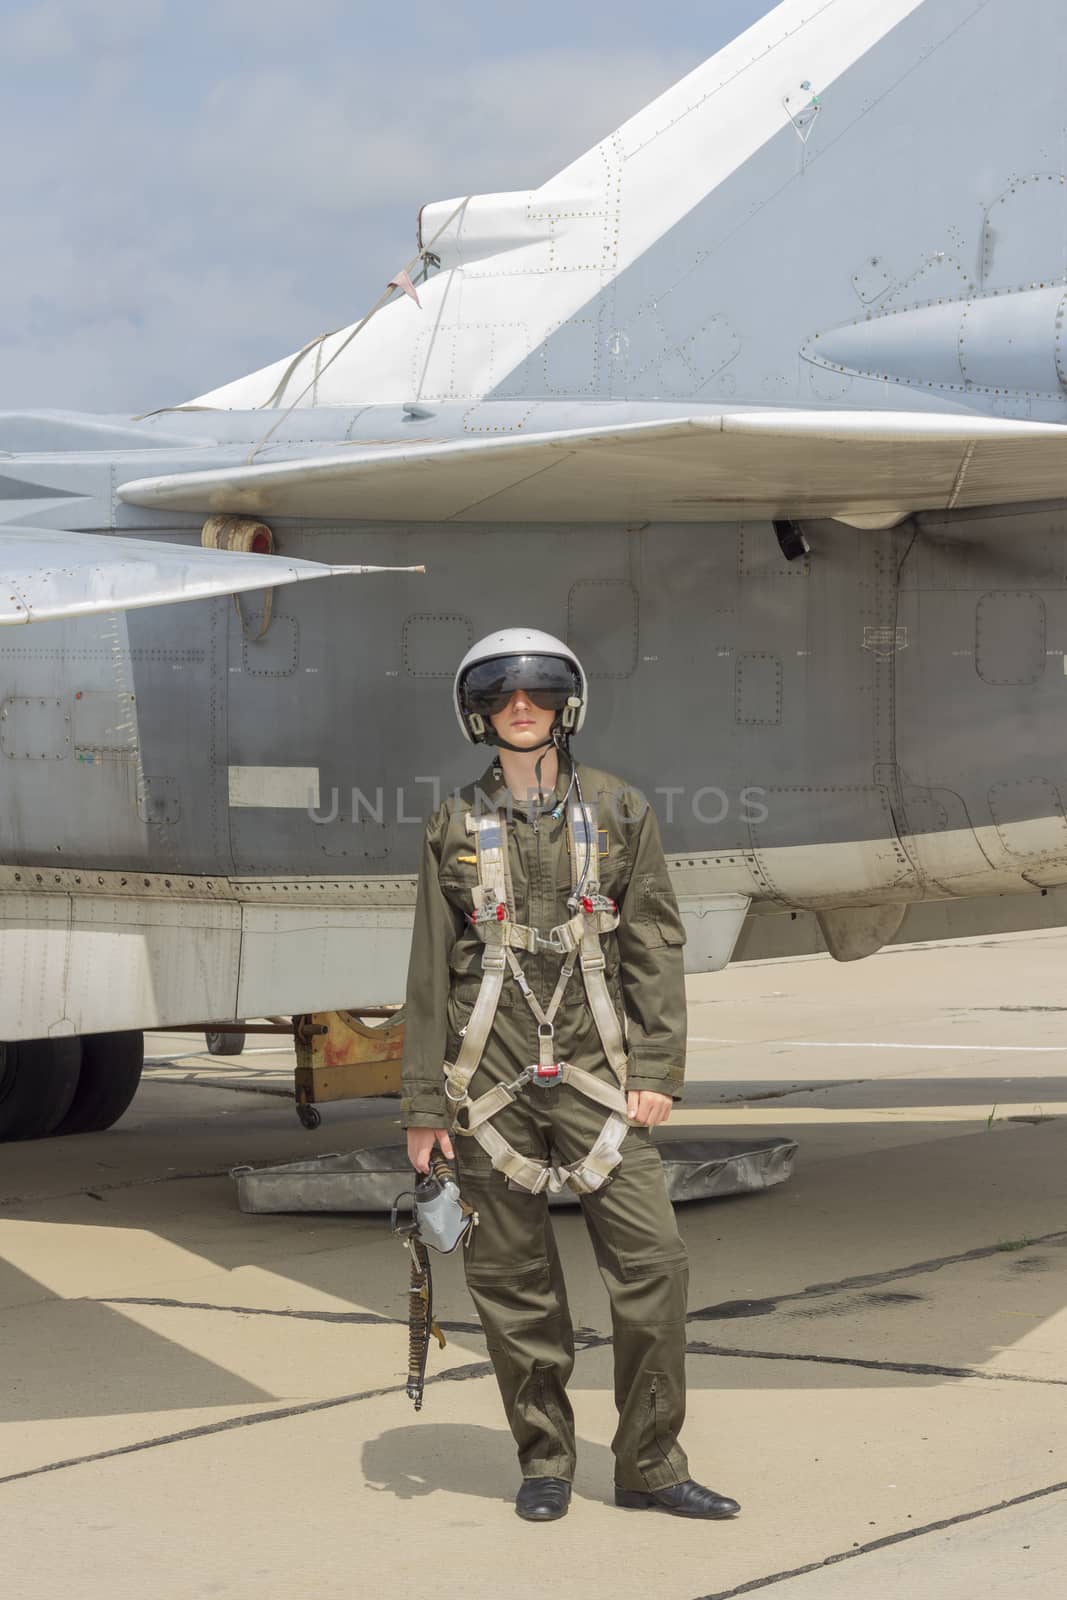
{"type": "Point", "coordinates": [578, 941]}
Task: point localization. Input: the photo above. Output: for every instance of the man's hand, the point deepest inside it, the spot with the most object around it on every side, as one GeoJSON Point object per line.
{"type": "Point", "coordinates": [421, 1142]}
{"type": "Point", "coordinates": [646, 1108]}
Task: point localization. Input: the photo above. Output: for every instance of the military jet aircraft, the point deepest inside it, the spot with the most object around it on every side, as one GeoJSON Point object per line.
{"type": "Point", "coordinates": [760, 403]}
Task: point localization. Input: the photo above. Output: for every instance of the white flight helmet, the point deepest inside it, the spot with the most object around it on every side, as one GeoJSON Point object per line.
{"type": "Point", "coordinates": [518, 658]}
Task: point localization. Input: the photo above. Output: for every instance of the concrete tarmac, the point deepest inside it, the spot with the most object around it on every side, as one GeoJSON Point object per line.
{"type": "Point", "coordinates": [201, 1403]}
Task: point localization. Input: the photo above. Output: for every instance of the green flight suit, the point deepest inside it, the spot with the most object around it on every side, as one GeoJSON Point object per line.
{"type": "Point", "coordinates": [511, 1262]}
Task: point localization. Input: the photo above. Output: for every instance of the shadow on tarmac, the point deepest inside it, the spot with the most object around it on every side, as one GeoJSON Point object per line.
{"type": "Point", "coordinates": [420, 1460]}
{"type": "Point", "coordinates": [861, 1237]}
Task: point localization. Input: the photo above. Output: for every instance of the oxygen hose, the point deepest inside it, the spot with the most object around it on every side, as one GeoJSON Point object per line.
{"type": "Point", "coordinates": [421, 1322]}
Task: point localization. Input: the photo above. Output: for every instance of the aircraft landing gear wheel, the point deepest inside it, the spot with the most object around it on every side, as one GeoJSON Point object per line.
{"type": "Point", "coordinates": [226, 1042]}
{"type": "Point", "coordinates": [38, 1082]}
{"type": "Point", "coordinates": [310, 1116]}
{"type": "Point", "coordinates": [110, 1074]}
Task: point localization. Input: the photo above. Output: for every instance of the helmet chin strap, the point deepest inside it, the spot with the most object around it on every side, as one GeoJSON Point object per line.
{"type": "Point", "coordinates": [521, 749]}
{"type": "Point", "coordinates": [557, 739]}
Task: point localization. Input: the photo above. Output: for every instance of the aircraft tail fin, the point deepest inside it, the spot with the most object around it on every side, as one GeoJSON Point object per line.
{"type": "Point", "coordinates": [843, 164]}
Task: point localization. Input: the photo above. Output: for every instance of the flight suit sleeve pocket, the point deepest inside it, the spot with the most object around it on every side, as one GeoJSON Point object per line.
{"type": "Point", "coordinates": [656, 932]}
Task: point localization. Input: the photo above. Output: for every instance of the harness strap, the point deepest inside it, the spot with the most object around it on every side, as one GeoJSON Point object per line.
{"type": "Point", "coordinates": [477, 1112]}
{"type": "Point", "coordinates": [523, 1170]}
{"type": "Point", "coordinates": [584, 1176]}
{"type": "Point", "coordinates": [594, 1169]}
{"type": "Point", "coordinates": [494, 881]}
{"type": "Point", "coordinates": [564, 938]}
{"type": "Point", "coordinates": [578, 939]}
{"type": "Point", "coordinates": [585, 878]}
{"type": "Point", "coordinates": [605, 1094]}
{"type": "Point", "coordinates": [476, 1034]}
{"type": "Point", "coordinates": [546, 1032]}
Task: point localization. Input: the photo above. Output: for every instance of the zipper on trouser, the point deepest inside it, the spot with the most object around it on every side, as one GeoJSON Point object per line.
{"type": "Point", "coordinates": [553, 1423]}
{"type": "Point", "coordinates": [653, 1420]}
{"type": "Point", "coordinates": [652, 1440]}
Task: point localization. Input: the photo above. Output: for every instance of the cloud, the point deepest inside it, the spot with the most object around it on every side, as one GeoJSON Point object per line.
{"type": "Point", "coordinates": [267, 26]}
{"type": "Point", "coordinates": [351, 139]}
{"type": "Point", "coordinates": [52, 29]}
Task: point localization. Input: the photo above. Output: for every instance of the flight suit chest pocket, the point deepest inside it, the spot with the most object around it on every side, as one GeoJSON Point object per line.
{"type": "Point", "coordinates": [611, 865]}
{"type": "Point", "coordinates": [458, 882]}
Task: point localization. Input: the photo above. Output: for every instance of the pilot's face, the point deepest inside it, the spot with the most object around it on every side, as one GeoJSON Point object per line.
{"type": "Point", "coordinates": [522, 723]}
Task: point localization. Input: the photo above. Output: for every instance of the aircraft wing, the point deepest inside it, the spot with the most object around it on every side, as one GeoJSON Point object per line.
{"type": "Point", "coordinates": [862, 466]}
{"type": "Point", "coordinates": [47, 574]}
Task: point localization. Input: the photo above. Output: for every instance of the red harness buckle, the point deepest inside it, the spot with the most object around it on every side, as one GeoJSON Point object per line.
{"type": "Point", "coordinates": [600, 903]}
{"type": "Point", "coordinates": [493, 915]}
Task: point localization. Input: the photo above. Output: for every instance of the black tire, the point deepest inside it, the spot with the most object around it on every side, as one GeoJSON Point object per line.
{"type": "Point", "coordinates": [38, 1082]}
{"type": "Point", "coordinates": [111, 1071]}
{"type": "Point", "coordinates": [226, 1043]}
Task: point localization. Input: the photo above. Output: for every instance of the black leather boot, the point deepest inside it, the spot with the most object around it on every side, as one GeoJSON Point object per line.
{"type": "Point", "coordinates": [543, 1499]}
{"type": "Point", "coordinates": [688, 1499]}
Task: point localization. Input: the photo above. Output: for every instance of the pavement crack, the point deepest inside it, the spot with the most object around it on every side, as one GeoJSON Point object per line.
{"type": "Point", "coordinates": [474, 1369]}
{"type": "Point", "coordinates": [802, 1088]}
{"type": "Point", "coordinates": [729, 1310]}
{"type": "Point", "coordinates": [585, 1338]}
{"type": "Point", "coordinates": [1017, 1008]}
{"type": "Point", "coordinates": [192, 1080]}
{"type": "Point", "coordinates": [919, 1369]}
{"type": "Point", "coordinates": [350, 1318]}
{"type": "Point", "coordinates": [98, 1190]}
{"type": "Point", "coordinates": [888, 1539]}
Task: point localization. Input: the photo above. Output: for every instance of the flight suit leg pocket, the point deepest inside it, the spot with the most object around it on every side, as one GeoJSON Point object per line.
{"type": "Point", "coordinates": [632, 1220]}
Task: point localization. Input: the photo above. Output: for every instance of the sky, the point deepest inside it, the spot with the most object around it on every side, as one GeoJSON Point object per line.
{"type": "Point", "coordinates": [193, 188]}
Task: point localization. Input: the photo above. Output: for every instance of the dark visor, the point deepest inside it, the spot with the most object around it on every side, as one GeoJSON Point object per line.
{"type": "Point", "coordinates": [489, 685]}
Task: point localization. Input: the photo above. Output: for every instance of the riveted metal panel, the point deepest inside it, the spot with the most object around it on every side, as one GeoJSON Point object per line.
{"type": "Point", "coordinates": [104, 725]}
{"type": "Point", "coordinates": [434, 644]}
{"type": "Point", "coordinates": [326, 958]}
{"type": "Point", "coordinates": [759, 555]}
{"type": "Point", "coordinates": [159, 800]}
{"type": "Point", "coordinates": [867, 860]}
{"type": "Point", "coordinates": [758, 689]}
{"type": "Point", "coordinates": [1009, 634]}
{"type": "Point", "coordinates": [941, 840]}
{"type": "Point", "coordinates": [873, 279]}
{"type": "Point", "coordinates": [1022, 240]}
{"type": "Point", "coordinates": [277, 654]}
{"type": "Point", "coordinates": [35, 728]}
{"type": "Point", "coordinates": [572, 358]}
{"type": "Point", "coordinates": [97, 962]}
{"type": "Point", "coordinates": [711, 348]}
{"type": "Point", "coordinates": [1029, 818]}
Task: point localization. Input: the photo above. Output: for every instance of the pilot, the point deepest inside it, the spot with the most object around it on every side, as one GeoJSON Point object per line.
{"type": "Point", "coordinates": [544, 1040]}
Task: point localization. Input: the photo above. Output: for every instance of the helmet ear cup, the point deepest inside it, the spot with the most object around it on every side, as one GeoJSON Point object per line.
{"type": "Point", "coordinates": [569, 715]}
{"type": "Point", "coordinates": [476, 724]}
